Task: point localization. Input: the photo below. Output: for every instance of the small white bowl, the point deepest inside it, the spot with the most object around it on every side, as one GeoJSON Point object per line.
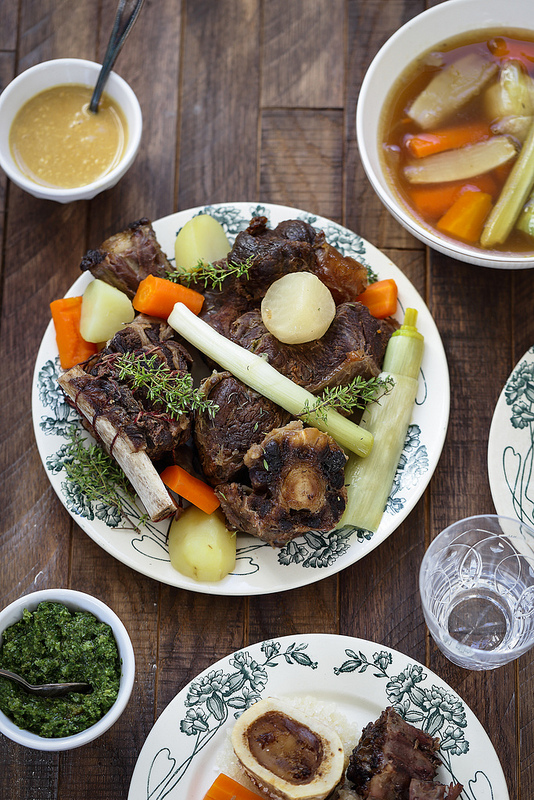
{"type": "Point", "coordinates": [418, 36]}
{"type": "Point", "coordinates": [75, 601]}
{"type": "Point", "coordinates": [53, 73]}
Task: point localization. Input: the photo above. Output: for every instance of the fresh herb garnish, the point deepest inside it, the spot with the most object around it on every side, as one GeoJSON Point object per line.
{"type": "Point", "coordinates": [354, 395]}
{"type": "Point", "coordinates": [96, 475]}
{"type": "Point", "coordinates": [174, 391]}
{"type": "Point", "coordinates": [211, 275]}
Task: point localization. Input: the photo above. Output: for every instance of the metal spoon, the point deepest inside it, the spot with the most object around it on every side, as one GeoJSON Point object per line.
{"type": "Point", "coordinates": [119, 34]}
{"type": "Point", "coordinates": [47, 689]}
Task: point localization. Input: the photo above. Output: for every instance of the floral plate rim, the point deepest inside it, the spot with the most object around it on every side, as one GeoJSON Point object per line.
{"type": "Point", "coordinates": [184, 746]}
{"type": "Point", "coordinates": [260, 569]}
{"type": "Point", "coordinates": [511, 444]}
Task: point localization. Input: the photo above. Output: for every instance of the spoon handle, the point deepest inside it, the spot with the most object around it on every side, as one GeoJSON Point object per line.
{"type": "Point", "coordinates": [119, 34]}
{"type": "Point", "coordinates": [46, 689]}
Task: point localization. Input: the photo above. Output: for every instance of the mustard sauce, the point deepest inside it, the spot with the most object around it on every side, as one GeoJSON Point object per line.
{"type": "Point", "coordinates": [57, 141]}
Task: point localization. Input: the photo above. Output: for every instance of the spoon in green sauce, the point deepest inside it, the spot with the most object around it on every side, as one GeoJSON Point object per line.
{"type": "Point", "coordinates": [47, 689]}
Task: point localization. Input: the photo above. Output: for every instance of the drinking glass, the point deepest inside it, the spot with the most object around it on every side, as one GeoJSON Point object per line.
{"type": "Point", "coordinates": [477, 590]}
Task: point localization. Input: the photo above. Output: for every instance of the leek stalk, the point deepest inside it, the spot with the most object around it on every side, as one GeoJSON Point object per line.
{"type": "Point", "coordinates": [261, 376]}
{"type": "Point", "coordinates": [514, 193]}
{"type": "Point", "coordinates": [369, 480]}
{"type": "Point", "coordinates": [462, 162]}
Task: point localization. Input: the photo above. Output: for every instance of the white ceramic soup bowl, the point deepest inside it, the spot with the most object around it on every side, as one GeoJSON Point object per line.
{"type": "Point", "coordinates": [53, 73]}
{"type": "Point", "coordinates": [74, 601]}
{"type": "Point", "coordinates": [416, 37]}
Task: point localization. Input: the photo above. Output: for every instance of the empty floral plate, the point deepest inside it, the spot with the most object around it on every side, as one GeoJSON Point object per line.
{"type": "Point", "coordinates": [511, 444]}
{"type": "Point", "coordinates": [260, 568]}
{"type": "Point", "coordinates": [352, 678]}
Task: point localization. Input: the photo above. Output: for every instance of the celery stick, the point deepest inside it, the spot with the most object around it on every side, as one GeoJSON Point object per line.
{"type": "Point", "coordinates": [462, 162]}
{"type": "Point", "coordinates": [369, 480]}
{"type": "Point", "coordinates": [450, 89]}
{"type": "Point", "coordinates": [514, 193]}
{"type": "Point", "coordinates": [261, 376]}
{"type": "Point", "coordinates": [525, 222]}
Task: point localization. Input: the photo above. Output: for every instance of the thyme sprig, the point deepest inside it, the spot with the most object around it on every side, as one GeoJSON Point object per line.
{"type": "Point", "coordinates": [175, 392]}
{"type": "Point", "coordinates": [97, 476]}
{"type": "Point", "coordinates": [211, 275]}
{"type": "Point", "coordinates": [350, 397]}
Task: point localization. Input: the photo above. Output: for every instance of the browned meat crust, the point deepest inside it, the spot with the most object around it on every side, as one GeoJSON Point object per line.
{"type": "Point", "coordinates": [354, 344]}
{"type": "Point", "coordinates": [243, 418]}
{"type": "Point", "coordinates": [396, 761]}
{"type": "Point", "coordinates": [127, 257]}
{"type": "Point", "coordinates": [297, 480]}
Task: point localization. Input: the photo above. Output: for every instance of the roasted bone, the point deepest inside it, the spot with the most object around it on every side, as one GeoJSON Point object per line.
{"type": "Point", "coordinates": [297, 480]}
{"type": "Point", "coordinates": [135, 464]}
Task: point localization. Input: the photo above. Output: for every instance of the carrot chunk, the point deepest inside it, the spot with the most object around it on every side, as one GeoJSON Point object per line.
{"type": "Point", "coordinates": [225, 788]}
{"type": "Point", "coordinates": [157, 297]}
{"type": "Point", "coordinates": [190, 488]}
{"type": "Point", "coordinates": [380, 298]}
{"type": "Point", "coordinates": [433, 201]}
{"type": "Point", "coordinates": [428, 142]}
{"type": "Point", "coordinates": [465, 218]}
{"type": "Point", "coordinates": [72, 348]}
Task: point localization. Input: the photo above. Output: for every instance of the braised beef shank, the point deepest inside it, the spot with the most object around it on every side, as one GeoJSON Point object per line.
{"type": "Point", "coordinates": [390, 756]}
{"type": "Point", "coordinates": [243, 418]}
{"type": "Point", "coordinates": [296, 485]}
{"type": "Point", "coordinates": [127, 257]}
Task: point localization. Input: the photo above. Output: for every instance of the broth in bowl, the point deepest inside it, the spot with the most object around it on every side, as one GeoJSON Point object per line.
{"type": "Point", "coordinates": [457, 138]}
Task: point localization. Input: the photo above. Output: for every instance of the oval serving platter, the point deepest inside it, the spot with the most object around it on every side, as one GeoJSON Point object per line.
{"type": "Point", "coordinates": [260, 568]}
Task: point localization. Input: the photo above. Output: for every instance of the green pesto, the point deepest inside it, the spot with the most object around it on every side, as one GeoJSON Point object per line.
{"type": "Point", "coordinates": [52, 645]}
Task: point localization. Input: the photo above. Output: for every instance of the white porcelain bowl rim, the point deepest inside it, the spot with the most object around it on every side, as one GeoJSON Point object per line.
{"type": "Point", "coordinates": [52, 73]}
{"type": "Point", "coordinates": [375, 88]}
{"type": "Point", "coordinates": [74, 600]}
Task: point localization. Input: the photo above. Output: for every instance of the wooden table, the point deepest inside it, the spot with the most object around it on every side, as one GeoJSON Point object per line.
{"type": "Point", "coordinates": [242, 100]}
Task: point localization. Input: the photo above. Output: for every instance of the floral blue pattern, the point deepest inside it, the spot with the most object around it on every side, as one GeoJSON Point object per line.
{"type": "Point", "coordinates": [204, 710]}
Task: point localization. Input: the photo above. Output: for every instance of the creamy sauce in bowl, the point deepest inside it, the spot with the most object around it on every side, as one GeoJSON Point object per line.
{"type": "Point", "coordinates": [56, 141]}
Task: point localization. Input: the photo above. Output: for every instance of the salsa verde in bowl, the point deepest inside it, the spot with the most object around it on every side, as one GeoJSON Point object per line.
{"type": "Point", "coordinates": [58, 635]}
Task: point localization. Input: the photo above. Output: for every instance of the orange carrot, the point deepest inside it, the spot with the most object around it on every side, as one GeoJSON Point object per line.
{"type": "Point", "coordinates": [515, 49]}
{"type": "Point", "coordinates": [66, 313]}
{"type": "Point", "coordinates": [434, 200]}
{"type": "Point", "coordinates": [428, 142]}
{"type": "Point", "coordinates": [190, 488]}
{"type": "Point", "coordinates": [465, 218]}
{"type": "Point", "coordinates": [157, 296]}
{"type": "Point", "coordinates": [380, 298]}
{"type": "Point", "coordinates": [225, 788]}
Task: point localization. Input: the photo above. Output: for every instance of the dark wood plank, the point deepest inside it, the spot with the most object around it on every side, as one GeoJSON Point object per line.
{"type": "Point", "coordinates": [219, 103]}
{"type": "Point", "coordinates": [295, 72]}
{"type": "Point", "coordinates": [302, 160]}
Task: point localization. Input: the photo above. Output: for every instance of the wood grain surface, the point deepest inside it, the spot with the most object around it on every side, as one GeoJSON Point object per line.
{"type": "Point", "coordinates": [241, 100]}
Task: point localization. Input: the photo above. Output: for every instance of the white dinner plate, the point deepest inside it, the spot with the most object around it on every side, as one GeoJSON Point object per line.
{"type": "Point", "coordinates": [186, 749]}
{"type": "Point", "coordinates": [511, 444]}
{"type": "Point", "coordinates": [260, 568]}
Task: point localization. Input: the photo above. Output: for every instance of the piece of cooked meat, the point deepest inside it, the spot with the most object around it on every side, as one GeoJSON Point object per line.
{"type": "Point", "coordinates": [127, 257]}
{"type": "Point", "coordinates": [243, 418]}
{"type": "Point", "coordinates": [130, 410]}
{"type": "Point", "coordinates": [354, 344]}
{"type": "Point", "coordinates": [293, 246]}
{"type": "Point", "coordinates": [389, 754]}
{"type": "Point", "coordinates": [432, 790]}
{"type": "Point", "coordinates": [297, 484]}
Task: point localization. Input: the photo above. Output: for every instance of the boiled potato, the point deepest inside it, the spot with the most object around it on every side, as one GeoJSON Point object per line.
{"type": "Point", "coordinates": [202, 239]}
{"type": "Point", "coordinates": [200, 546]}
{"type": "Point", "coordinates": [105, 310]}
{"type": "Point", "coordinates": [298, 308]}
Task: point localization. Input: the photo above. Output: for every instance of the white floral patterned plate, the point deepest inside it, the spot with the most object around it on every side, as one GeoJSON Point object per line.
{"type": "Point", "coordinates": [511, 444]}
{"type": "Point", "coordinates": [260, 569]}
{"type": "Point", "coordinates": [182, 754]}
